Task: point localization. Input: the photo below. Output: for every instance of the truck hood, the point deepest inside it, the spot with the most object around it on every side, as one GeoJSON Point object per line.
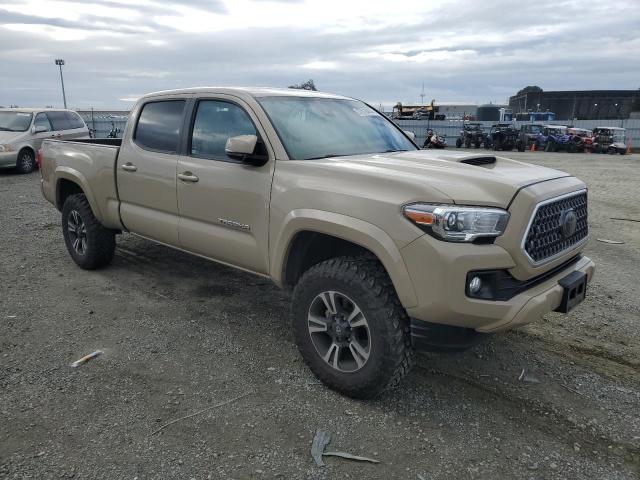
{"type": "Point", "coordinates": [464, 178]}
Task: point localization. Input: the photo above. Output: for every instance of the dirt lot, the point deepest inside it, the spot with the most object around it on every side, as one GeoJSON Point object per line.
{"type": "Point", "coordinates": [180, 335]}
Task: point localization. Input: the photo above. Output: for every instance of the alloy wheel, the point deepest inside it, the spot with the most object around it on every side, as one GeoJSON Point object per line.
{"type": "Point", "coordinates": [77, 232]}
{"type": "Point", "coordinates": [339, 331]}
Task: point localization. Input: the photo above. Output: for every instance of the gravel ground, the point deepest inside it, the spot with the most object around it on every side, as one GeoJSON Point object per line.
{"type": "Point", "coordinates": [181, 335]}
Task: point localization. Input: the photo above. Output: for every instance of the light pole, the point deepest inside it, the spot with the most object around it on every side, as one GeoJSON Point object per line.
{"type": "Point", "coordinates": [60, 62]}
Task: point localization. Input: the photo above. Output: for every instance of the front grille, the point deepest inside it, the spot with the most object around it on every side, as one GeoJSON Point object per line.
{"type": "Point", "coordinates": [545, 238]}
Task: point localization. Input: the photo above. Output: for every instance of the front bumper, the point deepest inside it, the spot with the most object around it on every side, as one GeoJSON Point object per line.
{"type": "Point", "coordinates": [439, 271]}
{"type": "Point", "coordinates": [8, 159]}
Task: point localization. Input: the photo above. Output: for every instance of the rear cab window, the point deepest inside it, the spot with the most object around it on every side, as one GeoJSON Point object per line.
{"type": "Point", "coordinates": [159, 126]}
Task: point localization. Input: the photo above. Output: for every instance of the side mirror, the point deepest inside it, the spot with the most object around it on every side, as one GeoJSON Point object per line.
{"type": "Point", "coordinates": [410, 134]}
{"type": "Point", "coordinates": [39, 129]}
{"type": "Point", "coordinates": [248, 149]}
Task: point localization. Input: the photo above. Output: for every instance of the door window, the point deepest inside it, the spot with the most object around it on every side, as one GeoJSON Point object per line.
{"type": "Point", "coordinates": [159, 126]}
{"type": "Point", "coordinates": [215, 122]}
{"type": "Point", "coordinates": [42, 121]}
{"type": "Point", "coordinates": [59, 120]}
{"type": "Point", "coordinates": [75, 121]}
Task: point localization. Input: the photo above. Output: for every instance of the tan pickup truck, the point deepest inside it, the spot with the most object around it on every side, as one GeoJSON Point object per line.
{"type": "Point", "coordinates": [388, 248]}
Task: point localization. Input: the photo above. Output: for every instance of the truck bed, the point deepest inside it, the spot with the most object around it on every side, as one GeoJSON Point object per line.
{"type": "Point", "coordinates": [93, 161]}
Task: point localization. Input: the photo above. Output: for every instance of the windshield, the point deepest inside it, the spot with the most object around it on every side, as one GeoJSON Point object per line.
{"type": "Point", "coordinates": [15, 121]}
{"type": "Point", "coordinates": [618, 136]}
{"type": "Point", "coordinates": [536, 128]}
{"type": "Point", "coordinates": [313, 127]}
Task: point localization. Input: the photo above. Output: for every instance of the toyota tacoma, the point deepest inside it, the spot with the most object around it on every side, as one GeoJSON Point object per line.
{"type": "Point", "coordinates": [388, 249]}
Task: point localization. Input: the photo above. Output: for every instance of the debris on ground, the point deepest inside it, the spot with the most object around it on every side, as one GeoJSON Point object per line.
{"type": "Point", "coordinates": [625, 219]}
{"type": "Point", "coordinates": [614, 242]}
{"type": "Point", "coordinates": [350, 457]}
{"type": "Point", "coordinates": [86, 358]}
{"type": "Point", "coordinates": [227, 402]}
{"type": "Point", "coordinates": [527, 377]}
{"type": "Point", "coordinates": [321, 440]}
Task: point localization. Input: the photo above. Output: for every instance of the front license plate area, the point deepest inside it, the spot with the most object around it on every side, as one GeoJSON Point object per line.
{"type": "Point", "coordinates": [575, 289]}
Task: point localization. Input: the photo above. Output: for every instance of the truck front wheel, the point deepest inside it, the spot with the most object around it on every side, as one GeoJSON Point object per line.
{"type": "Point", "coordinates": [350, 327]}
{"type": "Point", "coordinates": [89, 243]}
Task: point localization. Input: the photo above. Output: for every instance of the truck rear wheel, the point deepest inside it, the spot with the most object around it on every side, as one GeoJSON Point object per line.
{"type": "Point", "coordinates": [89, 243]}
{"type": "Point", "coordinates": [350, 327]}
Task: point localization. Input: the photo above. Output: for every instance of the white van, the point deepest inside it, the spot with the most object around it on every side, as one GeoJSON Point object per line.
{"type": "Point", "coordinates": [23, 129]}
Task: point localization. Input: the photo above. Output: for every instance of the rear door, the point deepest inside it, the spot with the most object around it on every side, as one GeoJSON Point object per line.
{"type": "Point", "coordinates": [224, 203]}
{"type": "Point", "coordinates": [67, 125]}
{"type": "Point", "coordinates": [146, 170]}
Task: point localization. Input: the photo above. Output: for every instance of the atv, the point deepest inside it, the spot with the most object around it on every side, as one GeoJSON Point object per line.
{"type": "Point", "coordinates": [527, 136]}
{"type": "Point", "coordinates": [609, 140]}
{"type": "Point", "coordinates": [471, 134]}
{"type": "Point", "coordinates": [502, 136]}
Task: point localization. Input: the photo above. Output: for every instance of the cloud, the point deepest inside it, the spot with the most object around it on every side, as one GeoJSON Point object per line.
{"type": "Point", "coordinates": [381, 52]}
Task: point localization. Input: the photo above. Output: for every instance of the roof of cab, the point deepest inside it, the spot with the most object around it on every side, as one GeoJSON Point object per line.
{"type": "Point", "coordinates": [247, 91]}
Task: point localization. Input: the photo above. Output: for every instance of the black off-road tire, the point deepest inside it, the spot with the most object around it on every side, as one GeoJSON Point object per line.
{"type": "Point", "coordinates": [365, 281]}
{"type": "Point", "coordinates": [458, 143]}
{"type": "Point", "coordinates": [26, 162]}
{"type": "Point", "coordinates": [100, 242]}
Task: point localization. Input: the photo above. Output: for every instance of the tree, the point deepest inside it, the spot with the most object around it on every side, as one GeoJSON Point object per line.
{"type": "Point", "coordinates": [308, 85]}
{"type": "Point", "coordinates": [530, 89]}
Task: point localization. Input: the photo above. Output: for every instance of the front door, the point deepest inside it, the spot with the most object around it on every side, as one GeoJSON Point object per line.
{"type": "Point", "coordinates": [223, 203]}
{"type": "Point", "coordinates": [146, 171]}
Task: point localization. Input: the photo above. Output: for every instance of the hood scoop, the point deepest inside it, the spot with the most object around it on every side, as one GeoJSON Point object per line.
{"type": "Point", "coordinates": [479, 160]}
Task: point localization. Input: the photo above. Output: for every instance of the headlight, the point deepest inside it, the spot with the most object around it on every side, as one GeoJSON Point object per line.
{"type": "Point", "coordinates": [5, 148]}
{"type": "Point", "coordinates": [456, 223]}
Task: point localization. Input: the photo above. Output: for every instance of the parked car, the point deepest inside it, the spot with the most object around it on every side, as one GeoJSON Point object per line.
{"type": "Point", "coordinates": [387, 248]}
{"type": "Point", "coordinates": [502, 136]}
{"type": "Point", "coordinates": [582, 140]}
{"type": "Point", "coordinates": [22, 131]}
{"type": "Point", "coordinates": [609, 140]}
{"type": "Point", "coordinates": [471, 134]}
{"type": "Point", "coordinates": [527, 136]}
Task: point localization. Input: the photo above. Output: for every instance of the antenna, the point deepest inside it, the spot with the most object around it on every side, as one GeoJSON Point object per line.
{"type": "Point", "coordinates": [422, 95]}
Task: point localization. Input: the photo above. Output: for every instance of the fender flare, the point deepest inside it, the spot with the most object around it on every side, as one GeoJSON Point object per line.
{"type": "Point", "coordinates": [73, 175]}
{"type": "Point", "coordinates": [354, 230]}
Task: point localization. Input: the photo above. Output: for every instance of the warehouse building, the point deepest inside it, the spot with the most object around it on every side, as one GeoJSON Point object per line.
{"type": "Point", "coordinates": [576, 104]}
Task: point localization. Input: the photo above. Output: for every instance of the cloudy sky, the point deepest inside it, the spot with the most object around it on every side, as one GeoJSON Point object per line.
{"type": "Point", "coordinates": [380, 51]}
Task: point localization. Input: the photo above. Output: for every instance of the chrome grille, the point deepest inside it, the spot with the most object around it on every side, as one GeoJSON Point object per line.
{"type": "Point", "coordinates": [545, 238]}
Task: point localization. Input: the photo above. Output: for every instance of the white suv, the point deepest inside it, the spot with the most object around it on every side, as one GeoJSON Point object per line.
{"type": "Point", "coordinates": [23, 129]}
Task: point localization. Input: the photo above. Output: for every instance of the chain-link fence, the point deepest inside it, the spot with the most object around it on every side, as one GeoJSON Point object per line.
{"type": "Point", "coordinates": [450, 129]}
{"type": "Point", "coordinates": [105, 124]}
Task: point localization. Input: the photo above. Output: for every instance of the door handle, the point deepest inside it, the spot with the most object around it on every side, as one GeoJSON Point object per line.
{"type": "Point", "coordinates": [129, 167]}
{"type": "Point", "coordinates": [188, 177]}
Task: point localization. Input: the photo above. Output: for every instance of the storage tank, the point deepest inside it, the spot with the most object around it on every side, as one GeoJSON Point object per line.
{"type": "Point", "coordinates": [488, 113]}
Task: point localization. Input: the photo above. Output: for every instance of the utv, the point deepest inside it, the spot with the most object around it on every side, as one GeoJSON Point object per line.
{"type": "Point", "coordinates": [553, 138]}
{"type": "Point", "coordinates": [502, 136]}
{"type": "Point", "coordinates": [471, 134]}
{"type": "Point", "coordinates": [527, 136]}
{"type": "Point", "coordinates": [581, 140]}
{"type": "Point", "coordinates": [609, 140]}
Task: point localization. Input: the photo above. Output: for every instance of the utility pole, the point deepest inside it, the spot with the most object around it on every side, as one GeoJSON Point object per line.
{"type": "Point", "coordinates": [60, 63]}
{"type": "Point", "coordinates": [422, 95]}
